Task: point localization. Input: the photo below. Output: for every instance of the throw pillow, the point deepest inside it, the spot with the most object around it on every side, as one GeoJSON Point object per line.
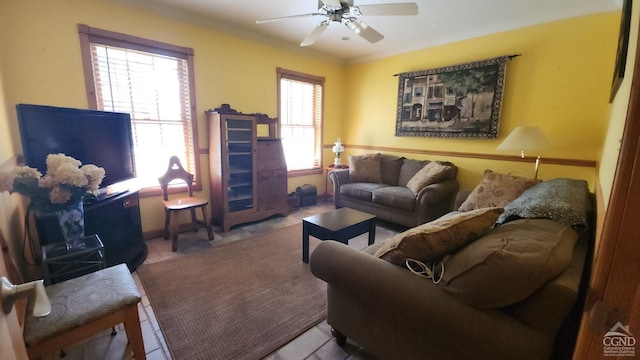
{"type": "Point", "coordinates": [365, 168]}
{"type": "Point", "coordinates": [430, 174]}
{"type": "Point", "coordinates": [496, 190]}
{"type": "Point", "coordinates": [567, 201]}
{"type": "Point", "coordinates": [409, 168]}
{"type": "Point", "coordinates": [510, 263]}
{"type": "Point", "coordinates": [439, 237]}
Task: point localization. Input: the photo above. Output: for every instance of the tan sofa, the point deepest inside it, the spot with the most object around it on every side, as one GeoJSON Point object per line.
{"type": "Point", "coordinates": [395, 314]}
{"type": "Point", "coordinates": [390, 198]}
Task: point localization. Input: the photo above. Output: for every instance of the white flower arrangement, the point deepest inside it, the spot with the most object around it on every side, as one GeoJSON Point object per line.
{"type": "Point", "coordinates": [66, 182]}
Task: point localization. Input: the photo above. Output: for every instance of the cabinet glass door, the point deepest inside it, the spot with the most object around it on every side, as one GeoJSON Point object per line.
{"type": "Point", "coordinates": [240, 159]}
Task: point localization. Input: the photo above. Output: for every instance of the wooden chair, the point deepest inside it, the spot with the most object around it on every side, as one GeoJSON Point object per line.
{"type": "Point", "coordinates": [84, 306]}
{"type": "Point", "coordinates": [80, 308]}
{"type": "Point", "coordinates": [173, 206]}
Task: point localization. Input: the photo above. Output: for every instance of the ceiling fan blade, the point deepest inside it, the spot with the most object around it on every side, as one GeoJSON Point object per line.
{"type": "Point", "coordinates": [333, 3]}
{"type": "Point", "coordinates": [364, 30]}
{"type": "Point", "coordinates": [286, 17]}
{"type": "Point", "coordinates": [389, 9]}
{"type": "Point", "coordinates": [315, 34]}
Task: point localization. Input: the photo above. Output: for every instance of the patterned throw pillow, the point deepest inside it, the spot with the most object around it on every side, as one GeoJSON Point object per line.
{"type": "Point", "coordinates": [365, 168]}
{"type": "Point", "coordinates": [496, 190]}
{"type": "Point", "coordinates": [431, 173]}
{"type": "Point", "coordinates": [434, 239]}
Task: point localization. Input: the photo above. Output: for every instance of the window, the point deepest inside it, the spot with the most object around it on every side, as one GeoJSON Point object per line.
{"type": "Point", "coordinates": [300, 114]}
{"type": "Point", "coordinates": [151, 81]}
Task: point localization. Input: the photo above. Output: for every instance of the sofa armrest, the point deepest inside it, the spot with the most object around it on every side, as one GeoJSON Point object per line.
{"type": "Point", "coordinates": [462, 195]}
{"type": "Point", "coordinates": [338, 177]}
{"type": "Point", "coordinates": [436, 200]}
{"type": "Point", "coordinates": [416, 305]}
{"type": "Point", "coordinates": [377, 282]}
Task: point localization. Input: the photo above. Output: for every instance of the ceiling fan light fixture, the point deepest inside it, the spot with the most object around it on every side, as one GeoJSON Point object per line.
{"type": "Point", "coordinates": [345, 12]}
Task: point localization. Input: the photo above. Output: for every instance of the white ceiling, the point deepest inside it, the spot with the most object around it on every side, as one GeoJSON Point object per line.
{"type": "Point", "coordinates": [438, 22]}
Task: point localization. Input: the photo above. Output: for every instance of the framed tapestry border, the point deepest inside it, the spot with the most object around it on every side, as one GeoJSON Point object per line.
{"type": "Point", "coordinates": [457, 101]}
{"type": "Point", "coordinates": [623, 46]}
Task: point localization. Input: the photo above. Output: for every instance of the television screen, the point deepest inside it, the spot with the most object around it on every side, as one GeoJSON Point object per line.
{"type": "Point", "coordinates": [93, 137]}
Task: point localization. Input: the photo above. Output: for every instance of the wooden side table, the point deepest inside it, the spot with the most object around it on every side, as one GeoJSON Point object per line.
{"type": "Point", "coordinates": [60, 263]}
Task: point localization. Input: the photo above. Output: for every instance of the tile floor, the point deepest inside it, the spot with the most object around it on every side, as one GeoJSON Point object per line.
{"type": "Point", "coordinates": [315, 344]}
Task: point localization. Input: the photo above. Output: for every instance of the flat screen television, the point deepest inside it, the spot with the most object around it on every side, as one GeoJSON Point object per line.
{"type": "Point", "coordinates": [94, 137]}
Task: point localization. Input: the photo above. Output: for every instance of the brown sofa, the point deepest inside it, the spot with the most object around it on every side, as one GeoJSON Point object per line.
{"type": "Point", "coordinates": [395, 314]}
{"type": "Point", "coordinates": [389, 198]}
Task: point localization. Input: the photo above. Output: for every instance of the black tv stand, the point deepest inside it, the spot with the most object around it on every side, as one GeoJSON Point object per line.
{"type": "Point", "coordinates": [116, 220]}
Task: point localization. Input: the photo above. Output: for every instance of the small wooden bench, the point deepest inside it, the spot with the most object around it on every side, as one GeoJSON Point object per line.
{"type": "Point", "coordinates": [82, 307]}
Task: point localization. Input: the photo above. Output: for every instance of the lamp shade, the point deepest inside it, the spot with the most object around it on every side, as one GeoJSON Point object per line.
{"type": "Point", "coordinates": [524, 138]}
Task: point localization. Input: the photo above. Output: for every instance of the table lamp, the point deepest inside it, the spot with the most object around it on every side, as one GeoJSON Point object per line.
{"type": "Point", "coordinates": [525, 138]}
{"type": "Point", "coordinates": [338, 149]}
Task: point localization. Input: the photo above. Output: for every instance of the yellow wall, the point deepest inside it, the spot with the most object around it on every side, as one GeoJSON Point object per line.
{"type": "Point", "coordinates": [560, 83]}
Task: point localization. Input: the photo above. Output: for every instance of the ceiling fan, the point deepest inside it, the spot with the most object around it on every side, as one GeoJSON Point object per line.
{"type": "Point", "coordinates": [345, 12]}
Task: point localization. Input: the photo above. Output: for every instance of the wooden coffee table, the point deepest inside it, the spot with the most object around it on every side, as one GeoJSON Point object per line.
{"type": "Point", "coordinates": [340, 225]}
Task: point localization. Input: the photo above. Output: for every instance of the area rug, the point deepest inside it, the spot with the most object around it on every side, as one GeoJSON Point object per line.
{"type": "Point", "coordinates": [240, 300]}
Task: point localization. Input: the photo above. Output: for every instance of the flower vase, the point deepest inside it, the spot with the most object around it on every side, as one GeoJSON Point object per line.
{"type": "Point", "coordinates": [71, 220]}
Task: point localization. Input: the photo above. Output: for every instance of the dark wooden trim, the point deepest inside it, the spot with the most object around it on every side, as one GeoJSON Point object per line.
{"type": "Point", "coordinates": [305, 172]}
{"type": "Point", "coordinates": [194, 121]}
{"type": "Point", "coordinates": [87, 65]}
{"type": "Point", "coordinates": [113, 38]}
{"type": "Point", "coordinates": [295, 75]}
{"type": "Point", "coordinates": [445, 154]}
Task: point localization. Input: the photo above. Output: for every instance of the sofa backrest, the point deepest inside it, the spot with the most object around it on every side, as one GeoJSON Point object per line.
{"type": "Point", "coordinates": [390, 167]}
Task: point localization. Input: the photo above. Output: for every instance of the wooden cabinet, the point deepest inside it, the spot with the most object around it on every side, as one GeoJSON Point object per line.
{"type": "Point", "coordinates": [248, 175]}
{"type": "Point", "coordinates": [272, 176]}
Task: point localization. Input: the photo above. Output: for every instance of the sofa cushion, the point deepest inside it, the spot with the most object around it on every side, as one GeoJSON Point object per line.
{"type": "Point", "coordinates": [408, 169]}
{"type": "Point", "coordinates": [431, 173]}
{"type": "Point", "coordinates": [436, 238]}
{"type": "Point", "coordinates": [496, 189]}
{"type": "Point", "coordinates": [567, 201]}
{"type": "Point", "coordinates": [509, 263]}
{"type": "Point", "coordinates": [365, 168]}
{"type": "Point", "coordinates": [397, 197]}
{"type": "Point", "coordinates": [360, 191]}
{"type": "Point", "coordinates": [390, 168]}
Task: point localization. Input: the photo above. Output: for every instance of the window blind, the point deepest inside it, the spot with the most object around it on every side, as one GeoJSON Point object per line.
{"type": "Point", "coordinates": [301, 121]}
{"type": "Point", "coordinates": [154, 89]}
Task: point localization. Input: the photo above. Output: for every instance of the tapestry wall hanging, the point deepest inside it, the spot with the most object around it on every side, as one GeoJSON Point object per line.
{"type": "Point", "coordinates": [458, 101]}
